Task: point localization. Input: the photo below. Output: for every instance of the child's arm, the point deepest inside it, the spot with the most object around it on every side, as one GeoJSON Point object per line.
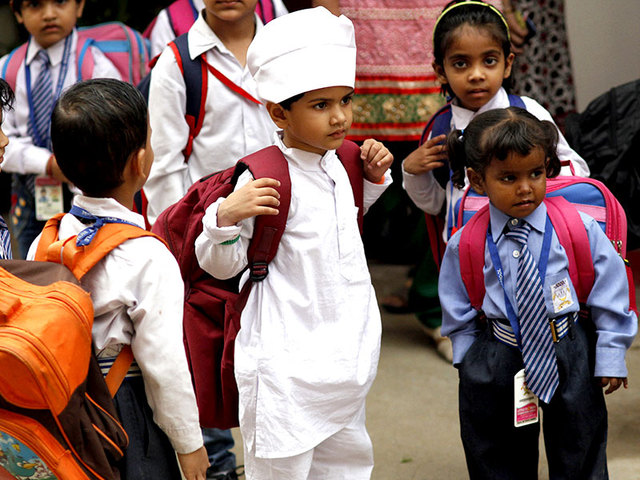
{"type": "Point", "coordinates": [614, 384]}
{"type": "Point", "coordinates": [418, 179]}
{"type": "Point", "coordinates": [376, 159]}
{"type": "Point", "coordinates": [194, 465]}
{"type": "Point", "coordinates": [258, 197]}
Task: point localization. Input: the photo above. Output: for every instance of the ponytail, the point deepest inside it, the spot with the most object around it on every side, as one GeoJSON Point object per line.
{"type": "Point", "coordinates": [457, 157]}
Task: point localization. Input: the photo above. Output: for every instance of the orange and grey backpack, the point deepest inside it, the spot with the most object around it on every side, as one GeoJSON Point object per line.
{"type": "Point", "coordinates": [57, 417]}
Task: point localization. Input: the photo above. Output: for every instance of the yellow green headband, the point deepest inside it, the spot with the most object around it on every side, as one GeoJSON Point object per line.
{"type": "Point", "coordinates": [447, 10]}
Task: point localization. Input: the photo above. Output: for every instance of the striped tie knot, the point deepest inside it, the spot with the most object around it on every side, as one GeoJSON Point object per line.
{"type": "Point", "coordinates": [43, 57]}
{"type": "Point", "coordinates": [519, 232]}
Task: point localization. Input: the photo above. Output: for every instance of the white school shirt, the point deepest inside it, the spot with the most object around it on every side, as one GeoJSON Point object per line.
{"type": "Point", "coordinates": [233, 126]}
{"type": "Point", "coordinates": [21, 155]}
{"type": "Point", "coordinates": [429, 196]}
{"type": "Point", "coordinates": [137, 294]}
{"type": "Point", "coordinates": [307, 351]}
{"type": "Point", "coordinates": [162, 32]}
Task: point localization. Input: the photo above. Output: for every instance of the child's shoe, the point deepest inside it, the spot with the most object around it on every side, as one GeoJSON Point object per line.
{"type": "Point", "coordinates": [442, 344]}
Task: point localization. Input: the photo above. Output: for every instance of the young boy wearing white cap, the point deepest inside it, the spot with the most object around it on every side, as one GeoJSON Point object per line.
{"type": "Point", "coordinates": [307, 351]}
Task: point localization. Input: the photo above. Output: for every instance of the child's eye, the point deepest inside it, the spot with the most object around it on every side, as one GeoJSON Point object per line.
{"type": "Point", "coordinates": [537, 173]}
{"type": "Point", "coordinates": [508, 178]}
{"type": "Point", "coordinates": [347, 100]}
{"type": "Point", "coordinates": [320, 105]}
{"type": "Point", "coordinates": [32, 4]}
{"type": "Point", "coordinates": [491, 61]}
{"type": "Point", "coordinates": [459, 64]}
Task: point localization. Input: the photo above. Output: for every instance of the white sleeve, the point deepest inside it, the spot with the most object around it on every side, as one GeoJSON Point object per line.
{"type": "Point", "coordinates": [161, 33]}
{"type": "Point", "coordinates": [103, 67]}
{"type": "Point", "coordinates": [280, 8]}
{"type": "Point", "coordinates": [169, 135]}
{"type": "Point", "coordinates": [424, 191]}
{"type": "Point", "coordinates": [565, 152]}
{"type": "Point", "coordinates": [222, 251]}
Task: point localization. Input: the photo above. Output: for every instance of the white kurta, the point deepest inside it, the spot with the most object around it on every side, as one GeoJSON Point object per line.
{"type": "Point", "coordinates": [308, 348]}
{"type": "Point", "coordinates": [429, 196]}
{"type": "Point", "coordinates": [137, 294]}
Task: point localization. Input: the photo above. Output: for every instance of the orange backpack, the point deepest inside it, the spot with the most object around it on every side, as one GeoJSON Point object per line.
{"type": "Point", "coordinates": [57, 417]}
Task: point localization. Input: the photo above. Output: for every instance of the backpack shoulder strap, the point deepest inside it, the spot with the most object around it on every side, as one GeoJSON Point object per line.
{"type": "Point", "coordinates": [85, 62]}
{"type": "Point", "coordinates": [181, 14]}
{"type": "Point", "coordinates": [349, 156]}
{"type": "Point", "coordinates": [516, 101]}
{"type": "Point", "coordinates": [81, 259]}
{"type": "Point", "coordinates": [268, 162]}
{"type": "Point", "coordinates": [195, 77]}
{"type": "Point", "coordinates": [266, 10]}
{"type": "Point", "coordinates": [12, 65]}
{"type": "Point", "coordinates": [471, 252]}
{"type": "Point", "coordinates": [438, 124]}
{"type": "Point", "coordinates": [565, 219]}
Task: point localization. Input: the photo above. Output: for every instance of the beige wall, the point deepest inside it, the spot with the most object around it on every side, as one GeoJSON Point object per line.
{"type": "Point", "coordinates": [604, 40]}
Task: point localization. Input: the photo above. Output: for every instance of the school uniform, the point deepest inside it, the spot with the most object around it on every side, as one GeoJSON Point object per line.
{"type": "Point", "coordinates": [233, 126]}
{"type": "Point", "coordinates": [575, 419]}
{"type": "Point", "coordinates": [430, 196]}
{"type": "Point", "coordinates": [307, 351]}
{"type": "Point", "coordinates": [162, 32]}
{"type": "Point", "coordinates": [132, 306]}
{"type": "Point", "coordinates": [23, 155]}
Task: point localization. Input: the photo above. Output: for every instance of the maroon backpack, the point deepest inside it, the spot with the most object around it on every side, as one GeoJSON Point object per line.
{"type": "Point", "coordinates": [212, 307]}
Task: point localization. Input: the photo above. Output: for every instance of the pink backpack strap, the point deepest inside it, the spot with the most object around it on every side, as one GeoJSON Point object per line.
{"type": "Point", "coordinates": [13, 64]}
{"type": "Point", "coordinates": [182, 14]}
{"type": "Point", "coordinates": [84, 58]}
{"type": "Point", "coordinates": [564, 218]}
{"type": "Point", "coordinates": [471, 252]}
{"type": "Point", "coordinates": [265, 10]}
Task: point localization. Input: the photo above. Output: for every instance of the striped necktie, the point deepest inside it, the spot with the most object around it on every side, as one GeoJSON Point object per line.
{"type": "Point", "coordinates": [538, 353]}
{"type": "Point", "coordinates": [42, 95]}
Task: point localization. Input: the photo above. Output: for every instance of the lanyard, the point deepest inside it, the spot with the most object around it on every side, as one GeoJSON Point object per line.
{"type": "Point", "coordinates": [239, 90]}
{"type": "Point", "coordinates": [86, 236]}
{"type": "Point", "coordinates": [497, 265]}
{"type": "Point", "coordinates": [63, 73]}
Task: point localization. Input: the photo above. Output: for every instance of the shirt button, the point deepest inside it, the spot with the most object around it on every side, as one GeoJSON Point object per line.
{"type": "Point", "coordinates": [514, 221]}
{"type": "Point", "coordinates": [516, 253]}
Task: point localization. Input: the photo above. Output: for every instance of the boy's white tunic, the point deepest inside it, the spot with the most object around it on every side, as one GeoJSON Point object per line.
{"type": "Point", "coordinates": [308, 348]}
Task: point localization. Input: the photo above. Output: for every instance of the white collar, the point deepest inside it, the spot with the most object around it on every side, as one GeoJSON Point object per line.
{"type": "Point", "coordinates": [108, 207]}
{"type": "Point", "coordinates": [55, 51]}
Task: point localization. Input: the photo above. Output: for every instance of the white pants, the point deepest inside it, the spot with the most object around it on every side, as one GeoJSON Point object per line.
{"type": "Point", "coordinates": [346, 455]}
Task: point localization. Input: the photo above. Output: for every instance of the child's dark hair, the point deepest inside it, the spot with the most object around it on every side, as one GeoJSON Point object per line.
{"type": "Point", "coordinates": [498, 133]}
{"type": "Point", "coordinates": [473, 13]}
{"type": "Point", "coordinates": [16, 5]}
{"type": "Point", "coordinates": [6, 96]}
{"type": "Point", "coordinates": [286, 104]}
{"type": "Point", "coordinates": [96, 126]}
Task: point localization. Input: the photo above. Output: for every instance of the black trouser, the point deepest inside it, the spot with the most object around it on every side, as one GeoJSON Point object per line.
{"type": "Point", "coordinates": [574, 423]}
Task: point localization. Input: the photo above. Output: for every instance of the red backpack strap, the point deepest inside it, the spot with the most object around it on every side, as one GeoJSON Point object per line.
{"type": "Point", "coordinates": [13, 63]}
{"type": "Point", "coordinates": [268, 162]}
{"type": "Point", "coordinates": [564, 218]}
{"type": "Point", "coordinates": [471, 252]}
{"type": "Point", "coordinates": [435, 227]}
{"type": "Point", "coordinates": [349, 156]}
{"type": "Point", "coordinates": [182, 14]}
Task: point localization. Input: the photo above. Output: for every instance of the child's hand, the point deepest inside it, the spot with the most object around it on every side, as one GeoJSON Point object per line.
{"type": "Point", "coordinates": [426, 157]}
{"type": "Point", "coordinates": [194, 465]}
{"type": "Point", "coordinates": [376, 159]}
{"type": "Point", "coordinates": [258, 197]}
{"type": "Point", "coordinates": [614, 383]}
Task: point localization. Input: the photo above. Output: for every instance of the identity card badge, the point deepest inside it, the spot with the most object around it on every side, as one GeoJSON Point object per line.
{"type": "Point", "coordinates": [524, 401]}
{"type": "Point", "coordinates": [561, 295]}
{"type": "Point", "coordinates": [48, 197]}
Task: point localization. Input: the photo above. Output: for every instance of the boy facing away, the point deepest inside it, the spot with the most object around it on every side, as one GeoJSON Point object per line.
{"type": "Point", "coordinates": [48, 68]}
{"type": "Point", "coordinates": [100, 138]}
{"type": "Point", "coordinates": [307, 351]}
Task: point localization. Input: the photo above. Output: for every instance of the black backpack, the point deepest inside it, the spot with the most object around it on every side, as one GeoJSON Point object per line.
{"type": "Point", "coordinates": [607, 135]}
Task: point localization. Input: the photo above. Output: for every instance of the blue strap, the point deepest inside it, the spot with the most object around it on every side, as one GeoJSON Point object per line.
{"type": "Point", "coordinates": [192, 73]}
{"type": "Point", "coordinates": [85, 237]}
{"type": "Point", "coordinates": [497, 265]}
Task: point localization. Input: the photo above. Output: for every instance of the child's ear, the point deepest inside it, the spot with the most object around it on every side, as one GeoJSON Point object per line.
{"type": "Point", "coordinates": [440, 74]}
{"type": "Point", "coordinates": [508, 63]}
{"type": "Point", "coordinates": [16, 13]}
{"type": "Point", "coordinates": [278, 114]}
{"type": "Point", "coordinates": [137, 168]}
{"type": "Point", "coordinates": [475, 179]}
{"type": "Point", "coordinates": [79, 8]}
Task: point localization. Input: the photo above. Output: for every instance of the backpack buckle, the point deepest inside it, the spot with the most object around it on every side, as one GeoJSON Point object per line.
{"type": "Point", "coordinates": [258, 271]}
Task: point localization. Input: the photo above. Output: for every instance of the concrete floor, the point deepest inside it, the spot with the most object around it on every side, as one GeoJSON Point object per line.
{"type": "Point", "coordinates": [412, 412]}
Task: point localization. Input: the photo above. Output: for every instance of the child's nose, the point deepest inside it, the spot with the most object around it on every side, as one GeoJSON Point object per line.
{"type": "Point", "coordinates": [338, 116]}
{"type": "Point", "coordinates": [476, 73]}
{"type": "Point", "coordinates": [48, 10]}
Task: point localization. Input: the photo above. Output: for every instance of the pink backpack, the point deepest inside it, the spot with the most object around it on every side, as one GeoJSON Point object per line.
{"type": "Point", "coordinates": [182, 14]}
{"type": "Point", "coordinates": [566, 196]}
{"type": "Point", "coordinates": [122, 45]}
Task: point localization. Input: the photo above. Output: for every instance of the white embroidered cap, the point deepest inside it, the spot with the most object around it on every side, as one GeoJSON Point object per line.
{"type": "Point", "coordinates": [302, 51]}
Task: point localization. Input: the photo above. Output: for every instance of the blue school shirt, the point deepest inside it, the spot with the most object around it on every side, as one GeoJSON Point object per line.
{"type": "Point", "coordinates": [609, 298]}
